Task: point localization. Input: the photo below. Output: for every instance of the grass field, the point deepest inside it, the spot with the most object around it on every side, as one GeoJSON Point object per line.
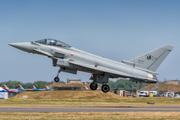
{"type": "Point", "coordinates": [86, 98]}
{"type": "Point", "coordinates": [92, 116]}
{"type": "Point", "coordinates": [83, 98]}
{"type": "Point", "coordinates": [92, 102]}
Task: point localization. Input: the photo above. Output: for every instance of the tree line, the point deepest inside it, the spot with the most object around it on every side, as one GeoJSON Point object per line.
{"type": "Point", "coordinates": [119, 84]}
{"type": "Point", "coordinates": [126, 85]}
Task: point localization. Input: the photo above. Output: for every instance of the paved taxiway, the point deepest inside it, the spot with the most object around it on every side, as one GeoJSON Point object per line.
{"type": "Point", "coordinates": [90, 109]}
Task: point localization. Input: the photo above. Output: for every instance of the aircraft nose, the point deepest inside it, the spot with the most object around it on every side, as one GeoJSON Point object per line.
{"type": "Point", "coordinates": [25, 46]}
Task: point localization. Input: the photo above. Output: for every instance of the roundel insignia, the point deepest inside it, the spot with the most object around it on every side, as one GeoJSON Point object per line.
{"type": "Point", "coordinates": [72, 54]}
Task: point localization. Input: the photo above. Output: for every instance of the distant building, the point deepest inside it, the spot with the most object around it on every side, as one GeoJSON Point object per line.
{"type": "Point", "coordinates": [174, 82]}
{"type": "Point", "coordinates": [123, 92]}
{"type": "Point", "coordinates": [73, 80]}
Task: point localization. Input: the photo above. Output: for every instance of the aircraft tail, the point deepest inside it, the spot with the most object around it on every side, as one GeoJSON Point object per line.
{"type": "Point", "coordinates": [46, 87]}
{"type": "Point", "coordinates": [5, 87]}
{"type": "Point", "coordinates": [33, 87]}
{"type": "Point", "coordinates": [86, 88]}
{"type": "Point", "coordinates": [20, 87]}
{"type": "Point", "coordinates": [152, 59]}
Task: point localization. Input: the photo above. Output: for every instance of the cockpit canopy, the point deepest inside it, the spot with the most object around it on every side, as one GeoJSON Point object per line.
{"type": "Point", "coordinates": [53, 42]}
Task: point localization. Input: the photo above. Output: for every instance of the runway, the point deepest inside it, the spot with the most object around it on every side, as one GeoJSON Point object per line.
{"type": "Point", "coordinates": [91, 109]}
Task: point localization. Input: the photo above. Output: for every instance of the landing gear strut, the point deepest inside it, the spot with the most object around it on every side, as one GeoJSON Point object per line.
{"type": "Point", "coordinates": [105, 88]}
{"type": "Point", "coordinates": [93, 86]}
{"type": "Point", "coordinates": [56, 79]}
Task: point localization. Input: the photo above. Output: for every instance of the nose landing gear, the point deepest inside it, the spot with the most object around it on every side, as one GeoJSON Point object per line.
{"type": "Point", "coordinates": [56, 79]}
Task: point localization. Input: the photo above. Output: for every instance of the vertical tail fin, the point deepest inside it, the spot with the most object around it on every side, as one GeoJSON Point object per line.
{"type": "Point", "coordinates": [86, 88]}
{"type": "Point", "coordinates": [46, 87]}
{"type": "Point", "coordinates": [20, 87]}
{"type": "Point", "coordinates": [152, 59]}
{"type": "Point", "coordinates": [33, 87]}
{"type": "Point", "coordinates": [5, 88]}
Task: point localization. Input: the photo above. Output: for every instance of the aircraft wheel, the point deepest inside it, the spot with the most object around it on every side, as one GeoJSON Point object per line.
{"type": "Point", "coordinates": [56, 79]}
{"type": "Point", "coordinates": [93, 87]}
{"type": "Point", "coordinates": [105, 88]}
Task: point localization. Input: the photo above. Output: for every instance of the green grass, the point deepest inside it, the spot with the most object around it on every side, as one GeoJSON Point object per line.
{"type": "Point", "coordinates": [83, 98]}
{"type": "Point", "coordinates": [159, 101]}
{"type": "Point", "coordinates": [92, 116]}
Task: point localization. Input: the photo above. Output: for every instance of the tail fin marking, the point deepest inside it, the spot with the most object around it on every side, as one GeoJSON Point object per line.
{"type": "Point", "coordinates": [152, 59]}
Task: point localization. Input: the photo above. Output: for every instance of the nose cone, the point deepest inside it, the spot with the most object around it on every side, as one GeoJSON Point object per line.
{"type": "Point", "coordinates": [25, 46]}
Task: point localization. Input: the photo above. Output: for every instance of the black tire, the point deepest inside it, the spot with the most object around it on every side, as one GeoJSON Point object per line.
{"type": "Point", "coordinates": [56, 79]}
{"type": "Point", "coordinates": [93, 87]}
{"type": "Point", "coordinates": [105, 88]}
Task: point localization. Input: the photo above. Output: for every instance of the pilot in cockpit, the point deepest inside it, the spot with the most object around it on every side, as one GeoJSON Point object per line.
{"type": "Point", "coordinates": [52, 42]}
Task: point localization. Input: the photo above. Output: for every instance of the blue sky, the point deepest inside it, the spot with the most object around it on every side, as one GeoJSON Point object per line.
{"type": "Point", "coordinates": [118, 30]}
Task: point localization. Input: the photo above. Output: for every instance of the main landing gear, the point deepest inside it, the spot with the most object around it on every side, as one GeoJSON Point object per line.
{"type": "Point", "coordinates": [105, 88]}
{"type": "Point", "coordinates": [93, 86]}
{"type": "Point", "coordinates": [56, 79]}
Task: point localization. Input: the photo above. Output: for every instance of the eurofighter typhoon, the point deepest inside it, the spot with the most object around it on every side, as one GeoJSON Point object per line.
{"type": "Point", "coordinates": [71, 60]}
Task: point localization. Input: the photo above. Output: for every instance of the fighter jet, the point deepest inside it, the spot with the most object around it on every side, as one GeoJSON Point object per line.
{"type": "Point", "coordinates": [10, 90]}
{"type": "Point", "coordinates": [71, 60]}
